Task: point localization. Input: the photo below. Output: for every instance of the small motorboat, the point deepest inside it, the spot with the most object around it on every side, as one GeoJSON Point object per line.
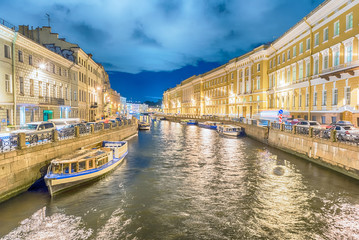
{"type": "Point", "coordinates": [189, 122]}
{"type": "Point", "coordinates": [210, 125]}
{"type": "Point", "coordinates": [230, 130]}
{"type": "Point", "coordinates": [144, 126]}
{"type": "Point", "coordinates": [84, 165]}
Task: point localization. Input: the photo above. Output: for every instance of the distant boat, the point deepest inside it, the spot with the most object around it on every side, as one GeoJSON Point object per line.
{"type": "Point", "coordinates": [230, 130]}
{"type": "Point", "coordinates": [210, 125]}
{"type": "Point", "coordinates": [83, 166]}
{"type": "Point", "coordinates": [144, 126]}
{"type": "Point", "coordinates": [189, 121]}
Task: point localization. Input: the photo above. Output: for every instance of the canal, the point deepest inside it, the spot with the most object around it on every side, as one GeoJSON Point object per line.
{"type": "Point", "coordinates": [186, 182]}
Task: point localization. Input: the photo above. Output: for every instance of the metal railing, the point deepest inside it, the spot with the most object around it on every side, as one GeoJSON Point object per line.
{"type": "Point", "coordinates": [8, 143]}
{"type": "Point", "coordinates": [39, 138]}
{"type": "Point", "coordinates": [302, 130]}
{"type": "Point", "coordinates": [276, 126]}
{"type": "Point", "coordinates": [288, 128]}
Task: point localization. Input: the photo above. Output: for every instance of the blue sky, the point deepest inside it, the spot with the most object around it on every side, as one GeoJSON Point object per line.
{"type": "Point", "coordinates": [148, 46]}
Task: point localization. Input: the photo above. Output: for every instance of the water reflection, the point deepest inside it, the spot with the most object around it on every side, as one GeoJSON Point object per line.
{"type": "Point", "coordinates": [185, 182]}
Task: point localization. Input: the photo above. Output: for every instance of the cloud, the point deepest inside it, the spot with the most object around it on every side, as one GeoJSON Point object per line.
{"type": "Point", "coordinates": [161, 35]}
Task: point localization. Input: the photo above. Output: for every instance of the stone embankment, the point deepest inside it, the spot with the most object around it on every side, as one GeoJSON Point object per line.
{"type": "Point", "coordinates": [20, 168]}
{"type": "Point", "coordinates": [342, 157]}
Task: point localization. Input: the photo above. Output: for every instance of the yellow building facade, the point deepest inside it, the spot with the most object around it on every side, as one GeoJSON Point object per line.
{"type": "Point", "coordinates": [312, 71]}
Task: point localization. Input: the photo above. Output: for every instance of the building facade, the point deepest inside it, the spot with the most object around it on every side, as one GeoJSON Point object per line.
{"type": "Point", "coordinates": [44, 77]}
{"type": "Point", "coordinates": [312, 71]}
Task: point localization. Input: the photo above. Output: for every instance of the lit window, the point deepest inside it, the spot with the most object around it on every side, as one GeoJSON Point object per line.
{"type": "Point", "coordinates": [294, 51]}
{"type": "Point", "coordinates": [8, 84]}
{"type": "Point", "coordinates": [300, 48]}
{"type": "Point", "coordinates": [288, 54]}
{"type": "Point", "coordinates": [308, 44]}
{"type": "Point", "coordinates": [316, 39]}
{"type": "Point", "coordinates": [347, 95]}
{"type": "Point", "coordinates": [325, 35]}
{"type": "Point", "coordinates": [348, 53]}
{"type": "Point", "coordinates": [316, 67]}
{"type": "Point", "coordinates": [349, 22]}
{"type": "Point", "coordinates": [335, 96]}
{"type": "Point", "coordinates": [324, 98]}
{"type": "Point", "coordinates": [336, 28]}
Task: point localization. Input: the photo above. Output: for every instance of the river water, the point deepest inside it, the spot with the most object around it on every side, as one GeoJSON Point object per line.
{"type": "Point", "coordinates": [186, 182]}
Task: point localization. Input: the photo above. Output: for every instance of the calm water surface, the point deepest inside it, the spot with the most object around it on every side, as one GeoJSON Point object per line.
{"type": "Point", "coordinates": [185, 182]}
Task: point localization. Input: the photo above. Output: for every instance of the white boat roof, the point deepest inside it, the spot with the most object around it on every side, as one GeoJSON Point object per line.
{"type": "Point", "coordinates": [81, 154]}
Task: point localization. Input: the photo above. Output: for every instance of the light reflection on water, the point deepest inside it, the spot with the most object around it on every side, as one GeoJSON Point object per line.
{"type": "Point", "coordinates": [185, 182]}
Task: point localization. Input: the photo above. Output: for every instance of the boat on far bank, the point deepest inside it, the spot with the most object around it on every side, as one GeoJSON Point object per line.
{"type": "Point", "coordinates": [189, 121]}
{"type": "Point", "coordinates": [209, 124]}
{"type": "Point", "coordinates": [230, 130]}
{"type": "Point", "coordinates": [83, 166]}
{"type": "Point", "coordinates": [144, 126]}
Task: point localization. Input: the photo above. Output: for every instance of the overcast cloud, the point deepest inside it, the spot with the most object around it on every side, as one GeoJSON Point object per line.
{"type": "Point", "coordinates": [161, 35]}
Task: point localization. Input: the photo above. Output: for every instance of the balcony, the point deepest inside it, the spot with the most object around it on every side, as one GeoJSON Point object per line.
{"type": "Point", "coordinates": [94, 105]}
{"type": "Point", "coordinates": [51, 101]}
{"type": "Point", "coordinates": [340, 69]}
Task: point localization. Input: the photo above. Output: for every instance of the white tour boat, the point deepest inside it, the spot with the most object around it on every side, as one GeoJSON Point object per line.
{"type": "Point", "coordinates": [144, 126]}
{"type": "Point", "coordinates": [230, 130]}
{"type": "Point", "coordinates": [83, 166]}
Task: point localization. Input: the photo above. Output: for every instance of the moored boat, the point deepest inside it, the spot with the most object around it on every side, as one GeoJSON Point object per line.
{"type": "Point", "coordinates": [83, 166]}
{"type": "Point", "coordinates": [144, 126]}
{"type": "Point", "coordinates": [210, 125]}
{"type": "Point", "coordinates": [230, 130]}
{"type": "Point", "coordinates": [189, 121]}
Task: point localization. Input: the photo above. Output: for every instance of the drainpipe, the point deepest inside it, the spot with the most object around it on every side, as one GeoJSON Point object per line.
{"type": "Point", "coordinates": [309, 83]}
{"type": "Point", "coordinates": [69, 78]}
{"type": "Point", "coordinates": [13, 77]}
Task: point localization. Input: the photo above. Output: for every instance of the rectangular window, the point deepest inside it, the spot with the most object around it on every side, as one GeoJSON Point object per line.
{"type": "Point", "coordinates": [316, 66]}
{"type": "Point", "coordinates": [335, 96]}
{"type": "Point", "coordinates": [336, 58]}
{"type": "Point", "coordinates": [270, 64]}
{"type": "Point", "coordinates": [7, 52]}
{"type": "Point", "coordinates": [40, 89]}
{"type": "Point", "coordinates": [336, 28]}
{"type": "Point", "coordinates": [288, 75]}
{"type": "Point", "coordinates": [47, 93]}
{"type": "Point", "coordinates": [300, 99]}
{"type": "Point", "coordinates": [294, 74]}
{"type": "Point", "coordinates": [300, 47]}
{"type": "Point", "coordinates": [315, 99]}
{"type": "Point", "coordinates": [294, 51]}
{"type": "Point", "coordinates": [349, 53]}
{"type": "Point", "coordinates": [326, 62]}
{"type": "Point", "coordinates": [349, 22]}
{"type": "Point", "coordinates": [316, 39]}
{"type": "Point", "coordinates": [307, 70]}
{"type": "Point", "coordinates": [323, 119]}
{"type": "Point", "coordinates": [53, 68]}
{"type": "Point", "coordinates": [325, 35]}
{"type": "Point", "coordinates": [308, 44]}
{"type": "Point", "coordinates": [300, 71]}
{"type": "Point", "coordinates": [30, 60]}
{"type": "Point", "coordinates": [288, 54]}
{"type": "Point", "coordinates": [21, 56]}
{"type": "Point", "coordinates": [22, 89]}
{"type": "Point", "coordinates": [31, 87]}
{"type": "Point", "coordinates": [278, 60]}
{"type": "Point", "coordinates": [60, 73]}
{"type": "Point", "coordinates": [258, 67]}
{"type": "Point", "coordinates": [347, 95]}
{"type": "Point", "coordinates": [283, 57]}
{"type": "Point", "coordinates": [8, 84]}
{"type": "Point", "coordinates": [324, 98]}
{"type": "Point", "coordinates": [293, 100]}
{"type": "Point", "coordinates": [258, 83]}
{"type": "Point", "coordinates": [307, 99]}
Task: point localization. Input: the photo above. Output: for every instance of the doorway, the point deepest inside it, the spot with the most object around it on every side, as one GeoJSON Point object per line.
{"type": "Point", "coordinates": [47, 114]}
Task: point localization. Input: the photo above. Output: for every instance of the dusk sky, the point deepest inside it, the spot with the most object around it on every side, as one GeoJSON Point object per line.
{"type": "Point", "coordinates": [148, 46]}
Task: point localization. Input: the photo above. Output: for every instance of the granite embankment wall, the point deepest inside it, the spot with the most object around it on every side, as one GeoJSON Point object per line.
{"type": "Point", "coordinates": [338, 156]}
{"type": "Point", "coordinates": [19, 169]}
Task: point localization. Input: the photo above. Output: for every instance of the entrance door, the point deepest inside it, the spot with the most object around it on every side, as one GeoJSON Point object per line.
{"type": "Point", "coordinates": [47, 114]}
{"type": "Point", "coordinates": [22, 116]}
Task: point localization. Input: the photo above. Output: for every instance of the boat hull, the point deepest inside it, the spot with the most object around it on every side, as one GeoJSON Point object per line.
{"type": "Point", "coordinates": [61, 183]}
{"type": "Point", "coordinates": [207, 126]}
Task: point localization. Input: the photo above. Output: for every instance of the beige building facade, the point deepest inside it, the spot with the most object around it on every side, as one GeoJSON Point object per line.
{"type": "Point", "coordinates": [312, 71]}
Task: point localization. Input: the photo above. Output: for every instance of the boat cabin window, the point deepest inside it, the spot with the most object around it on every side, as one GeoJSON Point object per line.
{"type": "Point", "coordinates": [73, 167]}
{"type": "Point", "coordinates": [91, 163]}
{"type": "Point", "coordinates": [56, 168]}
{"type": "Point", "coordinates": [82, 166]}
{"type": "Point", "coordinates": [65, 168]}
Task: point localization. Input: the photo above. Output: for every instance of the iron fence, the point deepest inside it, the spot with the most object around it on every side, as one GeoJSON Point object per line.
{"type": "Point", "coordinates": [350, 138]}
{"type": "Point", "coordinates": [302, 130]}
{"type": "Point", "coordinates": [321, 133]}
{"type": "Point", "coordinates": [84, 129]}
{"type": "Point", "coordinates": [276, 126]}
{"type": "Point", "coordinates": [39, 137]}
{"type": "Point", "coordinates": [97, 127]}
{"type": "Point", "coordinates": [8, 143]}
{"type": "Point", "coordinates": [114, 124]}
{"type": "Point", "coordinates": [107, 125]}
{"type": "Point", "coordinates": [66, 133]}
{"type": "Point", "coordinates": [288, 128]}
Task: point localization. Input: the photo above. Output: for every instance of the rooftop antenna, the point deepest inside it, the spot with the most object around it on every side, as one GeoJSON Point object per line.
{"type": "Point", "coordinates": [48, 19]}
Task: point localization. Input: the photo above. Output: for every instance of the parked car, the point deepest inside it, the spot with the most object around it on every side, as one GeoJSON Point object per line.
{"type": "Point", "coordinates": [62, 122]}
{"type": "Point", "coordinates": [308, 124]}
{"type": "Point", "coordinates": [36, 131]}
{"type": "Point", "coordinates": [346, 133]}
